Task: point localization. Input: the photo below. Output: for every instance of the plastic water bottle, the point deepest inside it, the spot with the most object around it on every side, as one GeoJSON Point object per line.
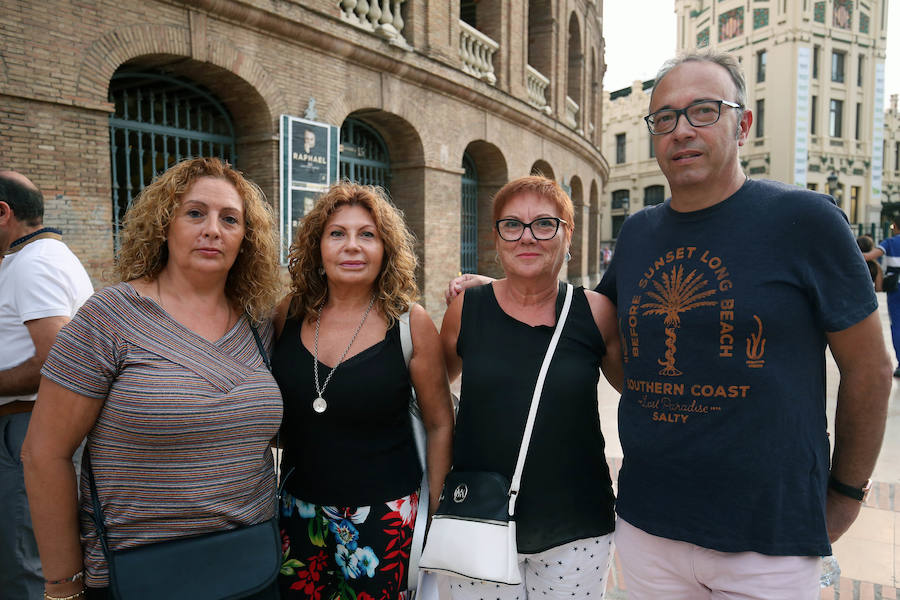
{"type": "Point", "coordinates": [831, 571]}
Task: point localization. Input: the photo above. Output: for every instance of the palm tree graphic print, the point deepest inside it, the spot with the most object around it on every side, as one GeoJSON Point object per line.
{"type": "Point", "coordinates": [676, 294]}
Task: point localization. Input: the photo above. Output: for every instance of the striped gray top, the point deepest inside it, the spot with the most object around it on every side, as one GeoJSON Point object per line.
{"type": "Point", "coordinates": [181, 445]}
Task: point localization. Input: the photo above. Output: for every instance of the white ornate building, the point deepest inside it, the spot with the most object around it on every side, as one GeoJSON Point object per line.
{"type": "Point", "coordinates": [815, 84]}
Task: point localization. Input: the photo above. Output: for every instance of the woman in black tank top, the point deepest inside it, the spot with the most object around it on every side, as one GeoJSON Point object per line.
{"type": "Point", "coordinates": [349, 509]}
{"type": "Point", "coordinates": [496, 336]}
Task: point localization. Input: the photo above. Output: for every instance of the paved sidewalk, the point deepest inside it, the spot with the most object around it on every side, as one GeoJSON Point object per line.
{"type": "Point", "coordinates": [869, 553]}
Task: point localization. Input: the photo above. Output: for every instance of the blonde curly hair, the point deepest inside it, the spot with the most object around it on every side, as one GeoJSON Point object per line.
{"type": "Point", "coordinates": [253, 284]}
{"type": "Point", "coordinates": [395, 287]}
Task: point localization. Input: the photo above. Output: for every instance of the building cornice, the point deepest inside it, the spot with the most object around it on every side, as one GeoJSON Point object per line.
{"type": "Point", "coordinates": [411, 67]}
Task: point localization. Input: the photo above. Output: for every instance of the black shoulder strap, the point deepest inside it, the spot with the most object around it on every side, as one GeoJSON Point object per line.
{"type": "Point", "coordinates": [259, 344]}
{"type": "Point", "coordinates": [97, 514]}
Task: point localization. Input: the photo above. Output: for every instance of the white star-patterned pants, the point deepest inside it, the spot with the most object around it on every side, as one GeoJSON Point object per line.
{"type": "Point", "coordinates": [574, 571]}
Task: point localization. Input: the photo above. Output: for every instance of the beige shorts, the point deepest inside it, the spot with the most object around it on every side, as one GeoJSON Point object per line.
{"type": "Point", "coordinates": [656, 567]}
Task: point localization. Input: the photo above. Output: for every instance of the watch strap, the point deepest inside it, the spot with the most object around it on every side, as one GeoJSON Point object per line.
{"type": "Point", "coordinates": [858, 494]}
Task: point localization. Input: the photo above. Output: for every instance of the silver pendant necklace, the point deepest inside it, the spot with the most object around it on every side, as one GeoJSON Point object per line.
{"type": "Point", "coordinates": [319, 404]}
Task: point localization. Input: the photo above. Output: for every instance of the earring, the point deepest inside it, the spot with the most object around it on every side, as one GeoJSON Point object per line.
{"type": "Point", "coordinates": [321, 271]}
{"type": "Point", "coordinates": [568, 256]}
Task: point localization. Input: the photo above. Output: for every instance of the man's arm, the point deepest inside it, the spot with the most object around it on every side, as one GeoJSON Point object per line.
{"type": "Point", "coordinates": [873, 254]}
{"type": "Point", "coordinates": [464, 282]}
{"type": "Point", "coordinates": [24, 378]}
{"type": "Point", "coordinates": [862, 402]}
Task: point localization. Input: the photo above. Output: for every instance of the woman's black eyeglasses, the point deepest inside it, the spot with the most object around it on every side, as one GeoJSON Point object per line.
{"type": "Point", "coordinates": [543, 228]}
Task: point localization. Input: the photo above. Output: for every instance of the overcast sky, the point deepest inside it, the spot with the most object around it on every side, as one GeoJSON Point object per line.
{"type": "Point", "coordinates": [640, 36]}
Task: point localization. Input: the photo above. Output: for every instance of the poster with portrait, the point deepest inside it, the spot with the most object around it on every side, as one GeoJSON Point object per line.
{"type": "Point", "coordinates": [309, 164]}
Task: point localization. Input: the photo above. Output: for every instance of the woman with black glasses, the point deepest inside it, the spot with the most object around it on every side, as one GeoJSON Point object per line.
{"type": "Point", "coordinates": [496, 335]}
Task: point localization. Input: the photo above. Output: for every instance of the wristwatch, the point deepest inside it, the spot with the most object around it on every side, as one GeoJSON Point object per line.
{"type": "Point", "coordinates": [850, 491]}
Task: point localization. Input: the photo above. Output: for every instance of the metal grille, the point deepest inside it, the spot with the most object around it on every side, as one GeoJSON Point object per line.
{"type": "Point", "coordinates": [468, 260]}
{"type": "Point", "coordinates": [364, 155]}
{"type": "Point", "coordinates": [158, 121]}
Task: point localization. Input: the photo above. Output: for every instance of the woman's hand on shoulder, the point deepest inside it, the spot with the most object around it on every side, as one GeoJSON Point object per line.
{"type": "Point", "coordinates": [460, 283]}
{"type": "Point", "coordinates": [604, 312]}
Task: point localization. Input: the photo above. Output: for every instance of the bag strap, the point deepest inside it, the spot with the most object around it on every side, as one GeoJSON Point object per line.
{"type": "Point", "coordinates": [259, 345]}
{"type": "Point", "coordinates": [279, 481]}
{"type": "Point", "coordinates": [420, 437]}
{"type": "Point", "coordinates": [535, 400]}
{"type": "Point", "coordinates": [405, 337]}
{"type": "Point", "coordinates": [97, 514]}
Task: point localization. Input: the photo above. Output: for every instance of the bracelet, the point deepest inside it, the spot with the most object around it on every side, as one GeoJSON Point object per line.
{"type": "Point", "coordinates": [80, 594]}
{"type": "Point", "coordinates": [71, 579]}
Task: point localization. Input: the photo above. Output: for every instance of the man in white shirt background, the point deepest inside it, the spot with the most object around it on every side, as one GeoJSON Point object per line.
{"type": "Point", "coordinates": [42, 285]}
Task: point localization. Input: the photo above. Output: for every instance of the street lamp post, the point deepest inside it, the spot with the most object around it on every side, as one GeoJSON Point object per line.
{"type": "Point", "coordinates": [834, 187]}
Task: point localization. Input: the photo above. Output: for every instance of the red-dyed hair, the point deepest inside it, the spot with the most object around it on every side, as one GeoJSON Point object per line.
{"type": "Point", "coordinates": [540, 187]}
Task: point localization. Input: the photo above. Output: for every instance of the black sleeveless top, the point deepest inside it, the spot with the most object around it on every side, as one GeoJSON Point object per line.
{"type": "Point", "coordinates": [360, 451]}
{"type": "Point", "coordinates": [566, 491]}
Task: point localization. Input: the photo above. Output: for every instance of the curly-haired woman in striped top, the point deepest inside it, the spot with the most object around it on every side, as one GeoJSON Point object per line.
{"type": "Point", "coordinates": [162, 374]}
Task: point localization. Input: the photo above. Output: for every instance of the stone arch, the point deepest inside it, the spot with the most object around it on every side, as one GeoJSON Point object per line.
{"type": "Point", "coordinates": [493, 173]}
{"type": "Point", "coordinates": [109, 52]}
{"type": "Point", "coordinates": [542, 167]}
{"type": "Point", "coordinates": [254, 124]}
{"type": "Point", "coordinates": [242, 84]}
{"type": "Point", "coordinates": [594, 231]}
{"type": "Point", "coordinates": [577, 267]}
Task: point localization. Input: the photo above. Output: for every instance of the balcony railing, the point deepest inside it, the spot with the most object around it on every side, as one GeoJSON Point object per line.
{"type": "Point", "coordinates": [477, 53]}
{"type": "Point", "coordinates": [571, 113]}
{"type": "Point", "coordinates": [381, 17]}
{"type": "Point", "coordinates": [537, 88]}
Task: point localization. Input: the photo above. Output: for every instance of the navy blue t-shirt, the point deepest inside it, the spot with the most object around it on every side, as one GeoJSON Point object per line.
{"type": "Point", "coordinates": [723, 314]}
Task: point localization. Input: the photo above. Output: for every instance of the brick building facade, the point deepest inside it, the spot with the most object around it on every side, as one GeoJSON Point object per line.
{"type": "Point", "coordinates": [510, 87]}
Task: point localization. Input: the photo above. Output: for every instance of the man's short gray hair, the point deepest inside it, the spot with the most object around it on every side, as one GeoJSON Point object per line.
{"type": "Point", "coordinates": [723, 59]}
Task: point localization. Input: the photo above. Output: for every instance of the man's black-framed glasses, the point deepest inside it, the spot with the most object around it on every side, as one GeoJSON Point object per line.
{"type": "Point", "coordinates": [702, 113]}
{"type": "Point", "coordinates": [543, 228]}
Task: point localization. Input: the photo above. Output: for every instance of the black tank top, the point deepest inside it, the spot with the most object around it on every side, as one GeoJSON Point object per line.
{"type": "Point", "coordinates": [360, 451]}
{"type": "Point", "coordinates": [566, 491]}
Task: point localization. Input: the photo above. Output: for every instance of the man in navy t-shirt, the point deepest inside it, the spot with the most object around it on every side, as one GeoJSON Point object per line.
{"type": "Point", "coordinates": [890, 248]}
{"type": "Point", "coordinates": [727, 297]}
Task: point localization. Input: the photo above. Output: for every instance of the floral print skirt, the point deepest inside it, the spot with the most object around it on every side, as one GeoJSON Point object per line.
{"type": "Point", "coordinates": [346, 552]}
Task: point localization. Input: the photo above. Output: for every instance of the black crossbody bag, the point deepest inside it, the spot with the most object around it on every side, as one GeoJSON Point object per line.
{"type": "Point", "coordinates": [224, 565]}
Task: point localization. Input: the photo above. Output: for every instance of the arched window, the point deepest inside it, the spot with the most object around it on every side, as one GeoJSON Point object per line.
{"type": "Point", "coordinates": [620, 199]}
{"type": "Point", "coordinates": [468, 259]}
{"type": "Point", "coordinates": [540, 37]}
{"type": "Point", "coordinates": [575, 61]}
{"type": "Point", "coordinates": [654, 194]}
{"type": "Point", "coordinates": [542, 167]}
{"type": "Point", "coordinates": [364, 155]}
{"type": "Point", "coordinates": [160, 120]}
